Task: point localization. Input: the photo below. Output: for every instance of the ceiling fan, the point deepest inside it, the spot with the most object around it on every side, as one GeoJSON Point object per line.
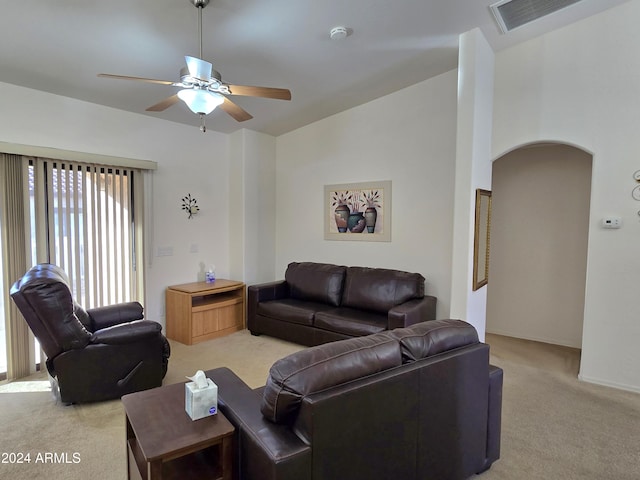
{"type": "Point", "coordinates": [202, 88]}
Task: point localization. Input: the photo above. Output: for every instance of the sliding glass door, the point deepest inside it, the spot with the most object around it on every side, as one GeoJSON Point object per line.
{"type": "Point", "coordinates": [80, 217]}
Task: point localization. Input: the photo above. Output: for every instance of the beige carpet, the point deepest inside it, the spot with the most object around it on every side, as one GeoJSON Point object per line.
{"type": "Point", "coordinates": [553, 426]}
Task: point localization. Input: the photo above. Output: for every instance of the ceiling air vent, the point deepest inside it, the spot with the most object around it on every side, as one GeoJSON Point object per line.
{"type": "Point", "coordinates": [512, 14]}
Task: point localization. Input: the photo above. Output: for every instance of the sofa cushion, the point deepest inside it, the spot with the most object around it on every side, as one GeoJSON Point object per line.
{"type": "Point", "coordinates": [424, 339]}
{"type": "Point", "coordinates": [317, 368]}
{"type": "Point", "coordinates": [291, 310]}
{"type": "Point", "coordinates": [379, 289]}
{"type": "Point", "coordinates": [317, 282]}
{"type": "Point", "coordinates": [350, 321]}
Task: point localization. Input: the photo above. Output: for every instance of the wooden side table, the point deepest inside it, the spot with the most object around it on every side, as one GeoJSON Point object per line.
{"type": "Point", "coordinates": [201, 311]}
{"type": "Point", "coordinates": [164, 443]}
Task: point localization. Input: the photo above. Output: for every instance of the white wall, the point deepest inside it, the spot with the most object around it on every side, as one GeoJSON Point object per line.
{"type": "Point", "coordinates": [236, 205]}
{"type": "Point", "coordinates": [252, 225]}
{"type": "Point", "coordinates": [579, 85]}
{"type": "Point", "coordinates": [407, 137]}
{"type": "Point", "coordinates": [539, 232]}
{"type": "Point", "coordinates": [188, 162]}
{"type": "Point", "coordinates": [473, 171]}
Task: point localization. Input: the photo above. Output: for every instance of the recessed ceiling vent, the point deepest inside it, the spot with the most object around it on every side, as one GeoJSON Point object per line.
{"type": "Point", "coordinates": [512, 14]}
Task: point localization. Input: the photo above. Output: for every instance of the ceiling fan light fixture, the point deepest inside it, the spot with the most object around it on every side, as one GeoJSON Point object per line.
{"type": "Point", "coordinates": [199, 101]}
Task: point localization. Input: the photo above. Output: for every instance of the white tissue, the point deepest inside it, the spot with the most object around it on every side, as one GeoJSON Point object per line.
{"type": "Point", "coordinates": [199, 379]}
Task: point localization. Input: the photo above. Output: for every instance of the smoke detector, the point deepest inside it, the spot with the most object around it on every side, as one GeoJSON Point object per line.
{"type": "Point", "coordinates": [338, 33]}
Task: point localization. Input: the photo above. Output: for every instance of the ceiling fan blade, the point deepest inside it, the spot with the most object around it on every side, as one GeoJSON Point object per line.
{"type": "Point", "coordinates": [198, 68]}
{"type": "Point", "coordinates": [265, 92]}
{"type": "Point", "coordinates": [238, 113]}
{"type": "Point", "coordinates": [164, 104]}
{"type": "Point", "coordinates": [141, 79]}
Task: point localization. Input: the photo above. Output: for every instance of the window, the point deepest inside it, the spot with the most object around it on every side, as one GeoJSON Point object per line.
{"type": "Point", "coordinates": [90, 232]}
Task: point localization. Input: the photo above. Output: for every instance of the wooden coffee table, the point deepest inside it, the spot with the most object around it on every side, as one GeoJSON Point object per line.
{"type": "Point", "coordinates": [164, 443]}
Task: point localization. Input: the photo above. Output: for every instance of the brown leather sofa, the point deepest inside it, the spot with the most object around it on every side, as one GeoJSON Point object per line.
{"type": "Point", "coordinates": [320, 302]}
{"type": "Point", "coordinates": [421, 402]}
{"type": "Point", "coordinates": [95, 354]}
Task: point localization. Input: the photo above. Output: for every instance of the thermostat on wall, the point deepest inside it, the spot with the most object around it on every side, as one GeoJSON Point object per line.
{"type": "Point", "coordinates": [611, 222]}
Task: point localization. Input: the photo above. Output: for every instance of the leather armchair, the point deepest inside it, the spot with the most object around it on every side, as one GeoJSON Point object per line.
{"type": "Point", "coordinates": [92, 355]}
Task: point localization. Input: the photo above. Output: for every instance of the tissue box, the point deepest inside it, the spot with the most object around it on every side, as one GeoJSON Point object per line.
{"type": "Point", "coordinates": [200, 402]}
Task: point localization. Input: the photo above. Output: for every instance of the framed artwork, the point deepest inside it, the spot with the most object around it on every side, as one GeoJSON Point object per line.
{"type": "Point", "coordinates": [481, 238]}
{"type": "Point", "coordinates": [358, 211]}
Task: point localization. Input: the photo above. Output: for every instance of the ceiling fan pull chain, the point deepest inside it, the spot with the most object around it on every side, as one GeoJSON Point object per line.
{"type": "Point", "coordinates": [203, 127]}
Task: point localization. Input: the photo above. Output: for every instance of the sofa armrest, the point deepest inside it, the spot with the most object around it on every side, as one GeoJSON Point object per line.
{"type": "Point", "coordinates": [264, 450]}
{"type": "Point", "coordinates": [413, 311]}
{"type": "Point", "coordinates": [130, 332]}
{"type": "Point", "coordinates": [494, 420]}
{"type": "Point", "coordinates": [103, 317]}
{"type": "Point", "coordinates": [263, 292]}
{"type": "Point", "coordinates": [268, 291]}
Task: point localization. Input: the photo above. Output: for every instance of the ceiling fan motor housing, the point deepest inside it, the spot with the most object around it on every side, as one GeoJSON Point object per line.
{"type": "Point", "coordinates": [186, 78]}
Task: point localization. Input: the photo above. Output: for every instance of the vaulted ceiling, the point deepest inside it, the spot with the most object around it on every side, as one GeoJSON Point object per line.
{"type": "Point", "coordinates": [60, 46]}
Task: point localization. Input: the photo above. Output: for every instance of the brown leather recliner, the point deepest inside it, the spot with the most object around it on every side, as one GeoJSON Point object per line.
{"type": "Point", "coordinates": [92, 355]}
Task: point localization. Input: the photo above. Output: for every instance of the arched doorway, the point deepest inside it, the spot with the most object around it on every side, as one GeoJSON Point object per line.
{"type": "Point", "coordinates": [539, 236]}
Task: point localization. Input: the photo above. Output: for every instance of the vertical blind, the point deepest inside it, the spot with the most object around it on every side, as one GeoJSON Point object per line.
{"type": "Point", "coordinates": [14, 262]}
{"type": "Point", "coordinates": [90, 229]}
{"type": "Point", "coordinates": [79, 216]}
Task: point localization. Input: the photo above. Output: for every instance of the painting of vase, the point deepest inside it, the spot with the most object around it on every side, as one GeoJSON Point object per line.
{"type": "Point", "coordinates": [370, 217]}
{"type": "Point", "coordinates": [358, 211]}
{"type": "Point", "coordinates": [342, 217]}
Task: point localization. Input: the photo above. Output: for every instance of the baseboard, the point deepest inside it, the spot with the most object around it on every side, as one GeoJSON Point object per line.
{"type": "Point", "coordinates": [551, 341]}
{"type": "Point", "coordinates": [605, 383]}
